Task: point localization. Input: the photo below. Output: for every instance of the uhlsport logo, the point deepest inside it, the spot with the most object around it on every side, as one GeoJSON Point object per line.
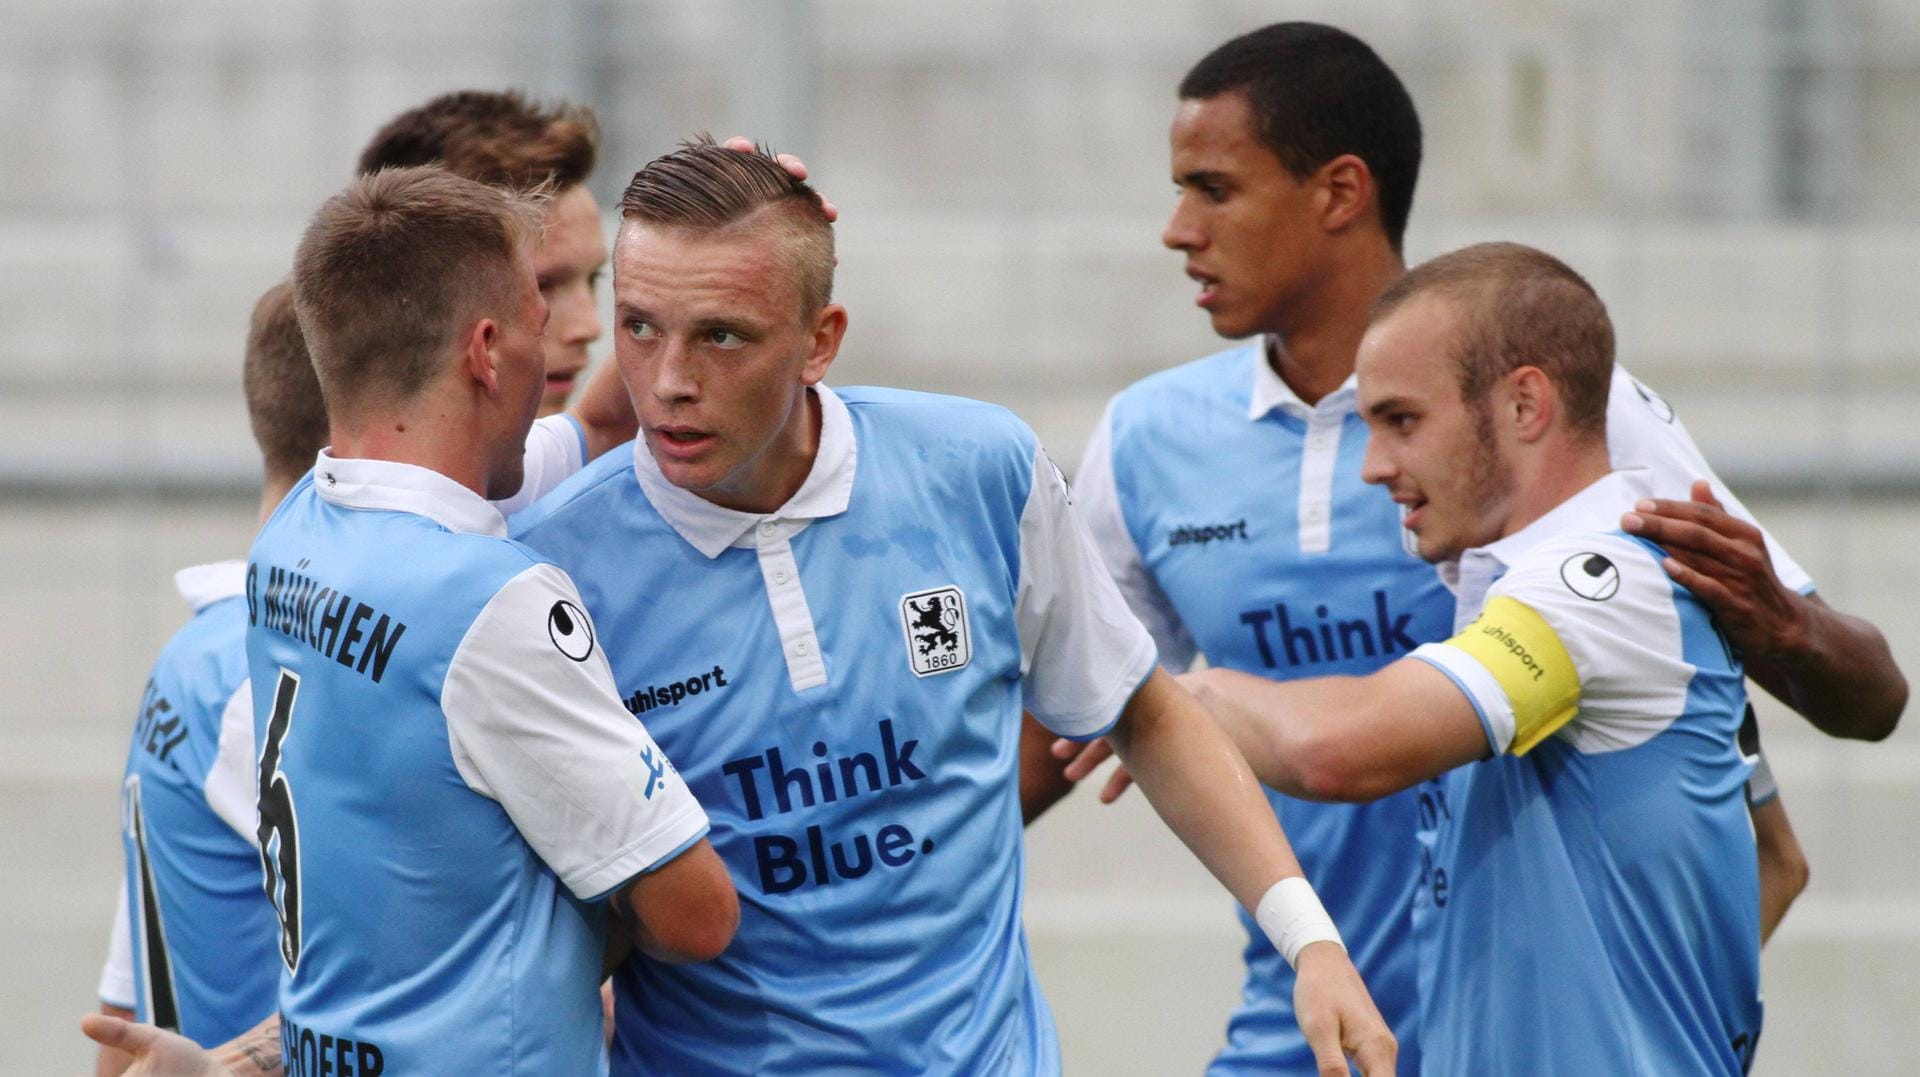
{"type": "Point", "coordinates": [1590, 576]}
{"type": "Point", "coordinates": [935, 622]}
{"type": "Point", "coordinates": [571, 632]}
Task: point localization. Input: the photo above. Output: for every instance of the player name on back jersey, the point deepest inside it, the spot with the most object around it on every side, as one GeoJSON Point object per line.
{"type": "Point", "coordinates": [201, 934]}
{"type": "Point", "coordinates": [1600, 912]}
{"type": "Point", "coordinates": [1235, 520]}
{"type": "Point", "coordinates": [446, 781]}
{"type": "Point", "coordinates": [841, 683]}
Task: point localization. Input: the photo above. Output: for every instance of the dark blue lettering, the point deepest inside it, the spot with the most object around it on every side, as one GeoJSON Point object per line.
{"type": "Point", "coordinates": [778, 858]}
{"type": "Point", "coordinates": [783, 779]}
{"type": "Point", "coordinates": [742, 770]}
{"type": "Point", "coordinates": [361, 611]}
{"type": "Point", "coordinates": [863, 859]}
{"type": "Point", "coordinates": [1289, 635]}
{"type": "Point", "coordinates": [894, 844]}
{"type": "Point", "coordinates": [380, 646]}
{"type": "Point", "coordinates": [1391, 631]}
{"type": "Point", "coordinates": [851, 765]}
{"type": "Point", "coordinates": [900, 765]}
{"type": "Point", "coordinates": [1257, 620]}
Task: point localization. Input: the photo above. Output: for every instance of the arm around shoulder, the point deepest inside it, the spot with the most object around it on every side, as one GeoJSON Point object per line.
{"type": "Point", "coordinates": [686, 910]}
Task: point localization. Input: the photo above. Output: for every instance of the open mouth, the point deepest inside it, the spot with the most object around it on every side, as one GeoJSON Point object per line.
{"type": "Point", "coordinates": [1209, 287]}
{"type": "Point", "coordinates": [681, 442]}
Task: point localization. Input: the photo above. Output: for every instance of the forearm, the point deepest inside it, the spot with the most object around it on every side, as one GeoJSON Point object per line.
{"type": "Point", "coordinates": [1201, 786]}
{"type": "Point", "coordinates": [604, 411]}
{"type": "Point", "coordinates": [1043, 778]}
{"type": "Point", "coordinates": [1784, 871]}
{"type": "Point", "coordinates": [1838, 672]}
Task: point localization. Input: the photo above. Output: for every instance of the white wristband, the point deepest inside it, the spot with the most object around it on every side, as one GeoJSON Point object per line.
{"type": "Point", "coordinates": [1292, 916]}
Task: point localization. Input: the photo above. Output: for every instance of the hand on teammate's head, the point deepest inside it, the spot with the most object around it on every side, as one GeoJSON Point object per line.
{"type": "Point", "coordinates": [794, 166]}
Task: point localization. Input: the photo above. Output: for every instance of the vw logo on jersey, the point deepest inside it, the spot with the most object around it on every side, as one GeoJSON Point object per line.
{"type": "Point", "coordinates": [1590, 576]}
{"type": "Point", "coordinates": [935, 622]}
{"type": "Point", "coordinates": [568, 627]}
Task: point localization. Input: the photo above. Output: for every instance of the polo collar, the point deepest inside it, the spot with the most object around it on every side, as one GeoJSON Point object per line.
{"type": "Point", "coordinates": [203, 585]}
{"type": "Point", "coordinates": [1598, 507]}
{"type": "Point", "coordinates": [391, 486]}
{"type": "Point", "coordinates": [1270, 391]}
{"type": "Point", "coordinates": [712, 528]}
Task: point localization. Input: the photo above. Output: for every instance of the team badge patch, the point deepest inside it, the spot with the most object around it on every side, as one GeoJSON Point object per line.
{"type": "Point", "coordinates": [570, 630]}
{"type": "Point", "coordinates": [1590, 576]}
{"type": "Point", "coordinates": [935, 622]}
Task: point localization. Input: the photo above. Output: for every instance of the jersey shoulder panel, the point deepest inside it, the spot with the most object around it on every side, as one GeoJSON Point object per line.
{"type": "Point", "coordinates": [1167, 397]}
{"type": "Point", "coordinates": [582, 487]}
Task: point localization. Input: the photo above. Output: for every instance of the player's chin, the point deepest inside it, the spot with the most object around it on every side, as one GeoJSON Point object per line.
{"type": "Point", "coordinates": [555, 399]}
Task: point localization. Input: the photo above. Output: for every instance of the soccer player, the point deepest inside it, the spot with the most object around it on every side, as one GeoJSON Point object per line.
{"type": "Point", "coordinates": [204, 961]}
{"type": "Point", "coordinates": [448, 785]}
{"type": "Point", "coordinates": [830, 609]}
{"type": "Point", "coordinates": [1295, 150]}
{"type": "Point", "coordinates": [506, 140]}
{"type": "Point", "coordinates": [1595, 905]}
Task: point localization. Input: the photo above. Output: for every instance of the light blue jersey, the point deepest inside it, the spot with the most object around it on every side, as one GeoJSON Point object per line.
{"type": "Point", "coordinates": [841, 683]}
{"type": "Point", "coordinates": [1597, 905]}
{"type": "Point", "coordinates": [446, 783]}
{"type": "Point", "coordinates": [1235, 520]}
{"type": "Point", "coordinates": [202, 935]}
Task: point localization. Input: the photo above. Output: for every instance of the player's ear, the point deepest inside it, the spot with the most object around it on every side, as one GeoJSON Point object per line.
{"type": "Point", "coordinates": [476, 354]}
{"type": "Point", "coordinates": [1346, 192]}
{"type": "Point", "coordinates": [829, 328]}
{"type": "Point", "coordinates": [1532, 402]}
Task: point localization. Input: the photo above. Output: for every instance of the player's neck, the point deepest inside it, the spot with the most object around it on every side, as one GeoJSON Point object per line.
{"type": "Point", "coordinates": [1317, 341]}
{"type": "Point", "coordinates": [1547, 479]}
{"type": "Point", "coordinates": [274, 492]}
{"type": "Point", "coordinates": [428, 437]}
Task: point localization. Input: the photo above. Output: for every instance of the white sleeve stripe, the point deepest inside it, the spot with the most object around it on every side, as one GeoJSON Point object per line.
{"type": "Point", "coordinates": [116, 977]}
{"type": "Point", "coordinates": [1082, 651]}
{"type": "Point", "coordinates": [1481, 688]}
{"type": "Point", "coordinates": [1096, 496]}
{"type": "Point", "coordinates": [230, 788]}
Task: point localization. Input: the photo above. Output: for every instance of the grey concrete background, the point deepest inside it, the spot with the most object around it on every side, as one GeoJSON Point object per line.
{"type": "Point", "coordinates": [1739, 179]}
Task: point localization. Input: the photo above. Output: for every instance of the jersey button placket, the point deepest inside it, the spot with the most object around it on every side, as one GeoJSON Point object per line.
{"type": "Point", "coordinates": [793, 620]}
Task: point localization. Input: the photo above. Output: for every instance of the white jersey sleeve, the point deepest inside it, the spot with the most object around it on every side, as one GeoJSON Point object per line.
{"type": "Point", "coordinates": [1581, 638]}
{"type": "Point", "coordinates": [535, 723]}
{"type": "Point", "coordinates": [231, 789]}
{"type": "Point", "coordinates": [1644, 432]}
{"type": "Point", "coordinates": [1082, 652]}
{"type": "Point", "coordinates": [556, 448]}
{"type": "Point", "coordinates": [1097, 498]}
{"type": "Point", "coordinates": [116, 977]}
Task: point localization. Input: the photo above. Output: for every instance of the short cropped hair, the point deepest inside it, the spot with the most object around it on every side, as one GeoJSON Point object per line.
{"type": "Point", "coordinates": [284, 405]}
{"type": "Point", "coordinates": [1316, 93]}
{"type": "Point", "coordinates": [1519, 307]}
{"type": "Point", "coordinates": [500, 138]}
{"type": "Point", "coordinates": [705, 187]}
{"type": "Point", "coordinates": [394, 267]}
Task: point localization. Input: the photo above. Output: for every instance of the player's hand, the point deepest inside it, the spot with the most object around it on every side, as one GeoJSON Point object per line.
{"type": "Point", "coordinates": [1723, 560]}
{"type": "Point", "coordinates": [795, 167]}
{"type": "Point", "coordinates": [156, 1052]}
{"type": "Point", "coordinates": [1338, 1017]}
{"type": "Point", "coordinates": [1085, 758]}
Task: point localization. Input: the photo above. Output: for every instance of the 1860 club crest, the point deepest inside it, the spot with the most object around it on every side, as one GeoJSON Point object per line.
{"type": "Point", "coordinates": [936, 625]}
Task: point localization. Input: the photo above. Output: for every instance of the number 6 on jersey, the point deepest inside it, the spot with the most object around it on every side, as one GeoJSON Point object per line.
{"type": "Point", "coordinates": [278, 833]}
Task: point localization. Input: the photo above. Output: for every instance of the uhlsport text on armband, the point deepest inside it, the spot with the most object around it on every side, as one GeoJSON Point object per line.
{"type": "Point", "coordinates": [1292, 916]}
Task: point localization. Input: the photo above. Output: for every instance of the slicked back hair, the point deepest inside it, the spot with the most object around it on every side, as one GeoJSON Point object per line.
{"type": "Point", "coordinates": [501, 138]}
{"type": "Point", "coordinates": [391, 270]}
{"type": "Point", "coordinates": [1519, 307]}
{"type": "Point", "coordinates": [1317, 92]}
{"type": "Point", "coordinates": [704, 187]}
{"type": "Point", "coordinates": [284, 405]}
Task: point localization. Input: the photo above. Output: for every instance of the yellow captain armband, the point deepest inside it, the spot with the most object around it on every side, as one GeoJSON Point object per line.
{"type": "Point", "coordinates": [1532, 666]}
